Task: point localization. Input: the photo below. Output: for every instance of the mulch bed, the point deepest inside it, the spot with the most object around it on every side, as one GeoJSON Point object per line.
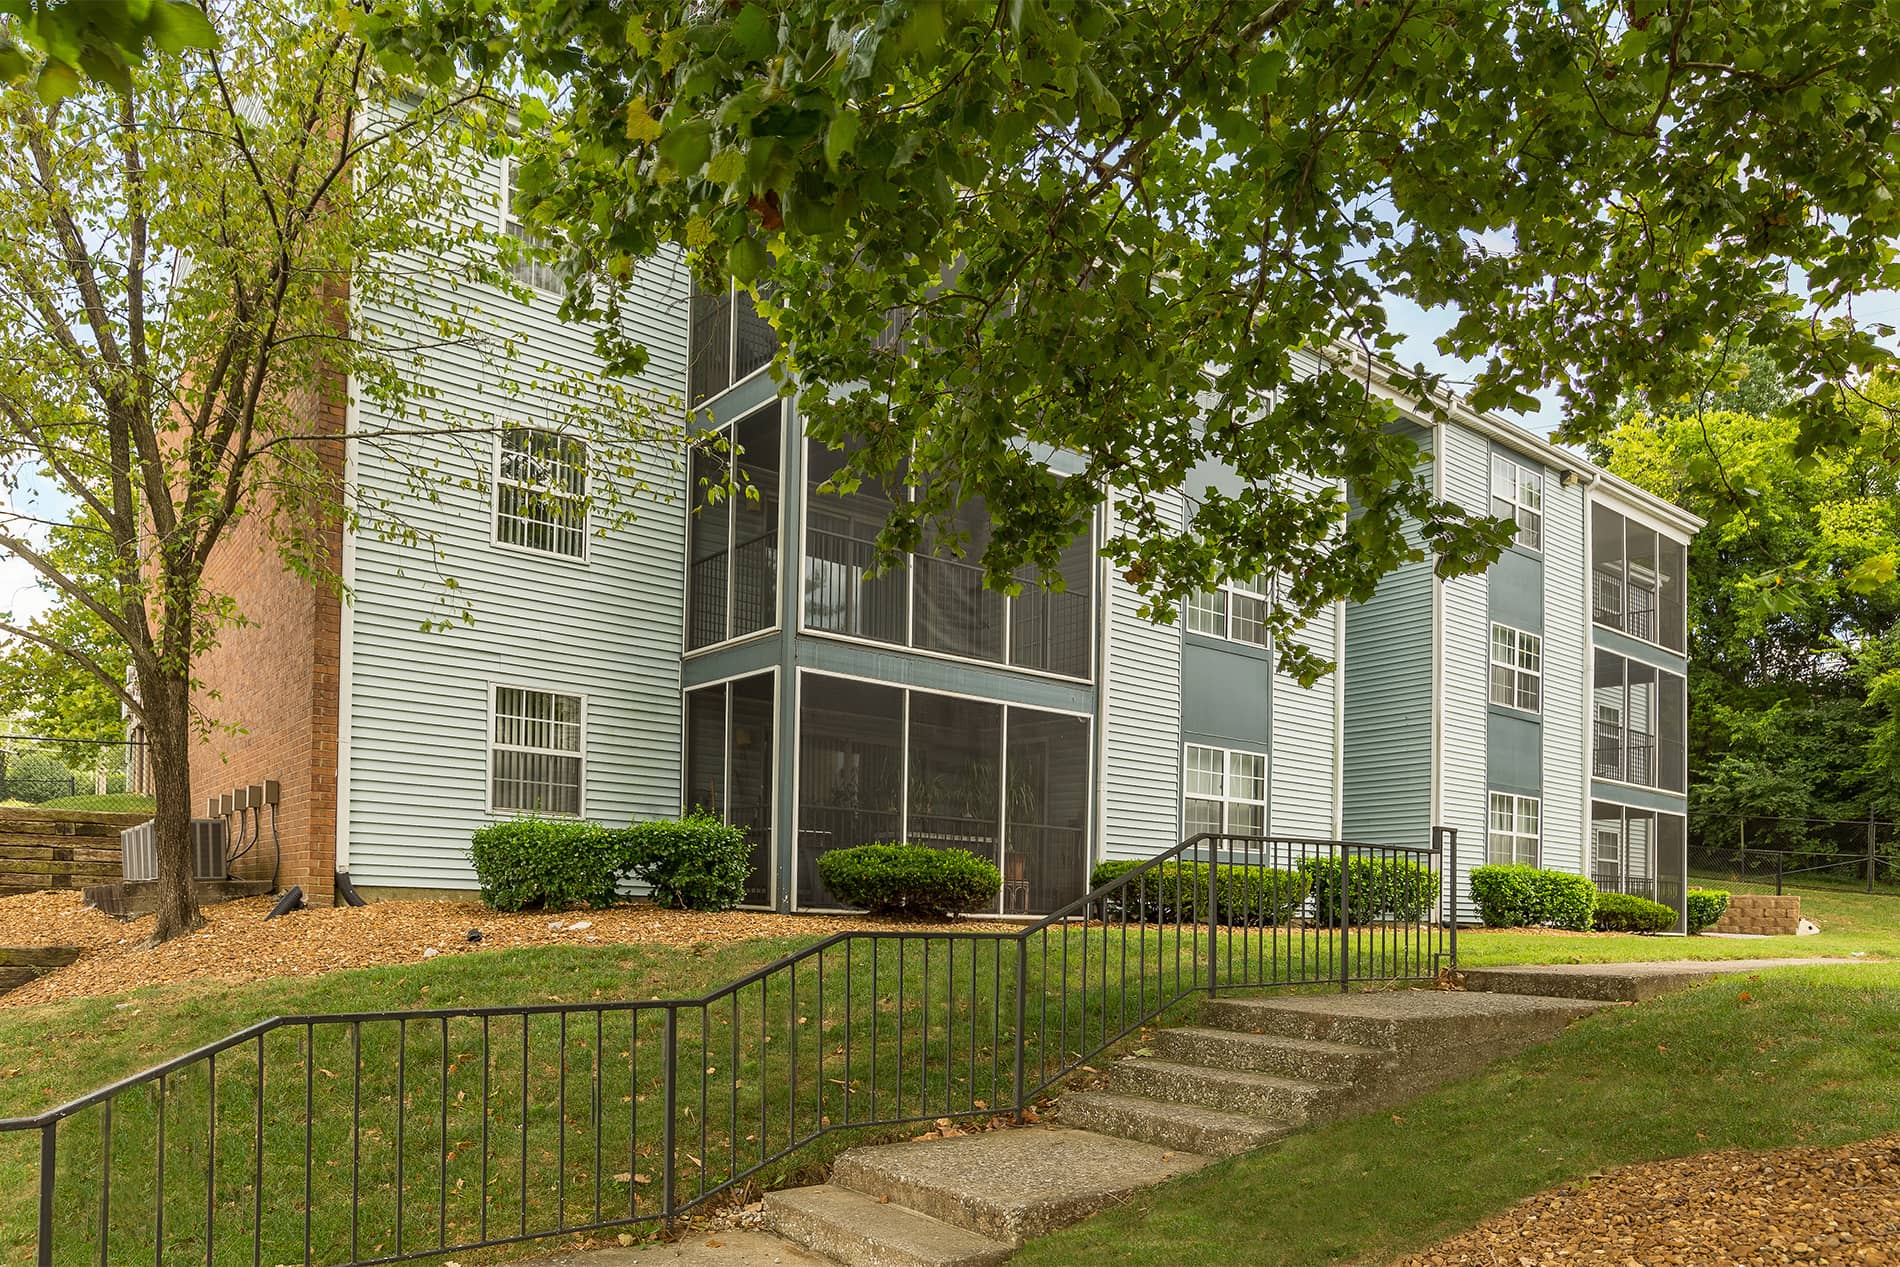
{"type": "Point", "coordinates": [236, 945]}
{"type": "Point", "coordinates": [1832, 1207]}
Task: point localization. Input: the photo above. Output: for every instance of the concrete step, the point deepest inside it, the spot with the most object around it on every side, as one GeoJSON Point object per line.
{"type": "Point", "coordinates": [1617, 982]}
{"type": "Point", "coordinates": [860, 1231]}
{"type": "Point", "coordinates": [1014, 1184]}
{"type": "Point", "coordinates": [1229, 1090]}
{"type": "Point", "coordinates": [1422, 1022]}
{"type": "Point", "coordinates": [1185, 1127]}
{"type": "Point", "coordinates": [1305, 1059]}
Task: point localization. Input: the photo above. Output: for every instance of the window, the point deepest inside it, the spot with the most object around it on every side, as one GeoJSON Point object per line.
{"type": "Point", "coordinates": [1640, 721]}
{"type": "Point", "coordinates": [1639, 580]}
{"type": "Point", "coordinates": [1514, 829]}
{"type": "Point", "coordinates": [534, 760]}
{"type": "Point", "coordinates": [1237, 611]}
{"type": "Point", "coordinates": [732, 532]}
{"type": "Point", "coordinates": [541, 492]}
{"type": "Point", "coordinates": [534, 265]}
{"type": "Point", "coordinates": [1517, 492]}
{"type": "Point", "coordinates": [729, 341]}
{"type": "Point", "coordinates": [1226, 792]}
{"type": "Point", "coordinates": [1517, 669]}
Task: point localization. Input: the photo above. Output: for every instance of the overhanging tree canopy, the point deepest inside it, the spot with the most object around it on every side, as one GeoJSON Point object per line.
{"type": "Point", "coordinates": [1115, 229]}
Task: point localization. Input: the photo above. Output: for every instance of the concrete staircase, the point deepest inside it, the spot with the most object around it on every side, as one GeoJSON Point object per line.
{"type": "Point", "coordinates": [1250, 1071]}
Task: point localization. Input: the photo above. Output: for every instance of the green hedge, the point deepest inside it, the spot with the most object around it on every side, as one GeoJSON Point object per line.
{"type": "Point", "coordinates": [1177, 891]}
{"type": "Point", "coordinates": [1522, 896]}
{"type": "Point", "coordinates": [1627, 913]}
{"type": "Point", "coordinates": [696, 862]}
{"type": "Point", "coordinates": [1706, 908]}
{"type": "Point", "coordinates": [526, 862]}
{"type": "Point", "coordinates": [1377, 888]}
{"type": "Point", "coordinates": [912, 879]}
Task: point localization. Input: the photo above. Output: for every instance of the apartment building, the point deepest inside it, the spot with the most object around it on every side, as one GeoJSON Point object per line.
{"type": "Point", "coordinates": [738, 653]}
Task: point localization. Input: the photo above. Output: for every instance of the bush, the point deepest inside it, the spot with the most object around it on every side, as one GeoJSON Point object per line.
{"type": "Point", "coordinates": [526, 862]}
{"type": "Point", "coordinates": [1627, 913]}
{"type": "Point", "coordinates": [913, 879]}
{"type": "Point", "coordinates": [696, 862]}
{"type": "Point", "coordinates": [1378, 888]}
{"type": "Point", "coordinates": [1522, 896]}
{"type": "Point", "coordinates": [1706, 908]}
{"type": "Point", "coordinates": [1177, 891]}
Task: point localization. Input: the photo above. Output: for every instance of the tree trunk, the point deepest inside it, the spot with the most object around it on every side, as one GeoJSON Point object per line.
{"type": "Point", "coordinates": [167, 702]}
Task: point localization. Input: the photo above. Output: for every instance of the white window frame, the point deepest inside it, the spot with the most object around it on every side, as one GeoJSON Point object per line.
{"type": "Point", "coordinates": [1521, 489]}
{"type": "Point", "coordinates": [1220, 602]}
{"type": "Point", "coordinates": [494, 745]}
{"type": "Point", "coordinates": [1225, 798]}
{"type": "Point", "coordinates": [499, 479]}
{"type": "Point", "coordinates": [1513, 809]}
{"type": "Point", "coordinates": [537, 274]}
{"type": "Point", "coordinates": [1524, 662]}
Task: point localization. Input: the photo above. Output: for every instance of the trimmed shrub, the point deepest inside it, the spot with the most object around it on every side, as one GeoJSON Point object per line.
{"type": "Point", "coordinates": [526, 862]}
{"type": "Point", "coordinates": [1177, 891]}
{"type": "Point", "coordinates": [1521, 896]}
{"type": "Point", "coordinates": [1627, 913]}
{"type": "Point", "coordinates": [696, 862]}
{"type": "Point", "coordinates": [1377, 888]}
{"type": "Point", "coordinates": [1706, 908]}
{"type": "Point", "coordinates": [912, 879]}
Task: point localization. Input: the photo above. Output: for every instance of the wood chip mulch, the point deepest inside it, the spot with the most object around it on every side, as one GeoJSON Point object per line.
{"type": "Point", "coordinates": [1835, 1207]}
{"type": "Point", "coordinates": [236, 945]}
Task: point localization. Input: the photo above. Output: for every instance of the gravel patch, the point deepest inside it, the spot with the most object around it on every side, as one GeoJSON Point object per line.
{"type": "Point", "coordinates": [1835, 1207]}
{"type": "Point", "coordinates": [236, 945]}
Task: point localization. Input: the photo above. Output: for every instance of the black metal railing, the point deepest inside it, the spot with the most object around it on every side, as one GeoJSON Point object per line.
{"type": "Point", "coordinates": [379, 1137]}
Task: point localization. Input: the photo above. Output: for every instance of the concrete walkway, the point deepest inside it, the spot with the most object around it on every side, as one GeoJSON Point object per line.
{"type": "Point", "coordinates": [1250, 1071]}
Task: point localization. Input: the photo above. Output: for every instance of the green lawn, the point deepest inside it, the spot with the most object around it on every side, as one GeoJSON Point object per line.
{"type": "Point", "coordinates": [114, 802]}
{"type": "Point", "coordinates": [547, 1165]}
{"type": "Point", "coordinates": [1795, 1056]}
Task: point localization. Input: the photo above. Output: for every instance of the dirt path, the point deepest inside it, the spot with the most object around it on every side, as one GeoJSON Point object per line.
{"type": "Point", "coordinates": [237, 945]}
{"type": "Point", "coordinates": [1833, 1207]}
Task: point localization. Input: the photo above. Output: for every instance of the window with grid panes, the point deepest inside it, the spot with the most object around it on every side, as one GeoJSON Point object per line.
{"type": "Point", "coordinates": [1514, 830]}
{"type": "Point", "coordinates": [536, 750]}
{"type": "Point", "coordinates": [1226, 791]}
{"type": "Point", "coordinates": [1517, 493]}
{"type": "Point", "coordinates": [1236, 611]}
{"type": "Point", "coordinates": [535, 266]}
{"type": "Point", "coordinates": [541, 492]}
{"type": "Point", "coordinates": [1517, 668]}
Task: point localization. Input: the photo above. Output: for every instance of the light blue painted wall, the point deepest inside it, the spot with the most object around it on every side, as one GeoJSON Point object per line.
{"type": "Point", "coordinates": [1226, 694]}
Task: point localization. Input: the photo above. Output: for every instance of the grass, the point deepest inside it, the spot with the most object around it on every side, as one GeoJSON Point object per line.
{"type": "Point", "coordinates": [1793, 1056]}
{"type": "Point", "coordinates": [114, 802]}
{"type": "Point", "coordinates": [528, 1149]}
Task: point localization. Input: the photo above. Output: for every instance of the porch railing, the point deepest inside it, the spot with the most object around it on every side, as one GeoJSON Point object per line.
{"type": "Point", "coordinates": [386, 1136]}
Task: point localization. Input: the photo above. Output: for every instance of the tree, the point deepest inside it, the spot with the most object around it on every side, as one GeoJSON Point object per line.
{"type": "Point", "coordinates": [1160, 234]}
{"type": "Point", "coordinates": [187, 269]}
{"type": "Point", "coordinates": [1794, 609]}
{"type": "Point", "coordinates": [44, 687]}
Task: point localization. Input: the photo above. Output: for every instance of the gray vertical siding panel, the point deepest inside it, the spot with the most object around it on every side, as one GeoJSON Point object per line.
{"type": "Point", "coordinates": [1305, 774]}
{"type": "Point", "coordinates": [608, 629]}
{"type": "Point", "coordinates": [1566, 699]}
{"type": "Point", "coordinates": [1389, 672]}
{"type": "Point", "coordinates": [1464, 674]}
{"type": "Point", "coordinates": [1142, 709]}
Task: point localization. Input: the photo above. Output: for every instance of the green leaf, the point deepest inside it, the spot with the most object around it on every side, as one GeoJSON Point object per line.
{"type": "Point", "coordinates": [752, 29]}
{"type": "Point", "coordinates": [687, 145]}
{"type": "Point", "coordinates": [747, 258]}
{"type": "Point", "coordinates": [177, 25]}
{"type": "Point", "coordinates": [841, 136]}
{"type": "Point", "coordinates": [55, 82]}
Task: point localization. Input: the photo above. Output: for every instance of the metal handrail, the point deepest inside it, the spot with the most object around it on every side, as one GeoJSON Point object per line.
{"type": "Point", "coordinates": [1235, 911]}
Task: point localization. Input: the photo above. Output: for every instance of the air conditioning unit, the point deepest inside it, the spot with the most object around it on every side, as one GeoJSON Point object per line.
{"type": "Point", "coordinates": [139, 848]}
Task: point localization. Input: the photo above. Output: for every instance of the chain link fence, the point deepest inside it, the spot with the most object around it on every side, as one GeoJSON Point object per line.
{"type": "Point", "coordinates": [1781, 852]}
{"type": "Point", "coordinates": [61, 772]}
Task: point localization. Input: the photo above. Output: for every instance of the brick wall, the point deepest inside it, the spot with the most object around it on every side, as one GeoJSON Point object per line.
{"type": "Point", "coordinates": [270, 686]}
{"type": "Point", "coordinates": [1760, 913]}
